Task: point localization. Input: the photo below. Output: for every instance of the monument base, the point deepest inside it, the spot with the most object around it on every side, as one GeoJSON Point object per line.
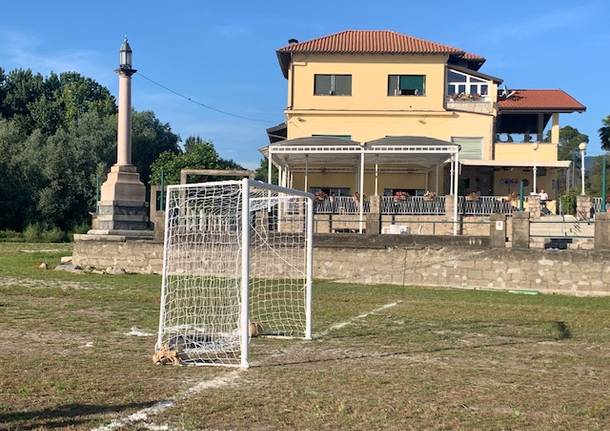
{"type": "Point", "coordinates": [122, 209]}
{"type": "Point", "coordinates": [121, 216]}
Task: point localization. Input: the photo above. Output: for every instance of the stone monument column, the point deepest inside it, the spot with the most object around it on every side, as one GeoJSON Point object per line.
{"type": "Point", "coordinates": [122, 208]}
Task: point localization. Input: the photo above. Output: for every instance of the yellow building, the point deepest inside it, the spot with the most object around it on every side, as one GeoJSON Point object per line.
{"type": "Point", "coordinates": [405, 112]}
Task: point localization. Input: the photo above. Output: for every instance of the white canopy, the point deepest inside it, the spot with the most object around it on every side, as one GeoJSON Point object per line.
{"type": "Point", "coordinates": [418, 151]}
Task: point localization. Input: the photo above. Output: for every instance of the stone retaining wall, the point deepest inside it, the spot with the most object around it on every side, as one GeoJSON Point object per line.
{"type": "Point", "coordinates": [574, 272]}
{"type": "Point", "coordinates": [403, 260]}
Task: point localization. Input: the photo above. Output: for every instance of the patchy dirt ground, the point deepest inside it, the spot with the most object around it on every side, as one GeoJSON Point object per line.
{"type": "Point", "coordinates": [76, 354]}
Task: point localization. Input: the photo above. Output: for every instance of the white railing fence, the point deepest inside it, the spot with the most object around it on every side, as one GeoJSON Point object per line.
{"type": "Point", "coordinates": [597, 204]}
{"type": "Point", "coordinates": [484, 205]}
{"type": "Point", "coordinates": [339, 205]}
{"type": "Point", "coordinates": [413, 205]}
{"type": "Point", "coordinates": [416, 205]}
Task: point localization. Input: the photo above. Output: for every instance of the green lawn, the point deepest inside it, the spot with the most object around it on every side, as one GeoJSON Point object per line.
{"type": "Point", "coordinates": [439, 359]}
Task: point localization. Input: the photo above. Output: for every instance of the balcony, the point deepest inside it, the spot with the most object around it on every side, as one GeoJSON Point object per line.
{"type": "Point", "coordinates": [524, 152]}
{"type": "Point", "coordinates": [480, 106]}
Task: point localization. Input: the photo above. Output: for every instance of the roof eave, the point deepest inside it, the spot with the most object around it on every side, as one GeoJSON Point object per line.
{"type": "Point", "coordinates": [534, 110]}
{"type": "Point", "coordinates": [284, 58]}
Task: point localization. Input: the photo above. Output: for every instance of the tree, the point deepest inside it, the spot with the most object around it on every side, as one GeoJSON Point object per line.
{"type": "Point", "coordinates": [198, 154]}
{"type": "Point", "coordinates": [262, 172]}
{"type": "Point", "coordinates": [150, 138]}
{"type": "Point", "coordinates": [604, 134]}
{"type": "Point", "coordinates": [569, 140]}
{"type": "Point", "coordinates": [21, 88]}
{"type": "Point", "coordinates": [15, 195]}
{"type": "Point", "coordinates": [58, 137]}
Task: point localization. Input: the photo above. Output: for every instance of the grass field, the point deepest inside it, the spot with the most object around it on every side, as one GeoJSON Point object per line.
{"type": "Point", "coordinates": [437, 359]}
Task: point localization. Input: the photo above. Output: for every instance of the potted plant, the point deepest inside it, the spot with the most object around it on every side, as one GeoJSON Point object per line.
{"type": "Point", "coordinates": [400, 196]}
{"type": "Point", "coordinates": [320, 196]}
{"type": "Point", "coordinates": [429, 196]}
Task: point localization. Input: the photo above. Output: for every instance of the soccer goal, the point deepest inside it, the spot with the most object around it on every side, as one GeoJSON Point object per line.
{"type": "Point", "coordinates": [237, 264]}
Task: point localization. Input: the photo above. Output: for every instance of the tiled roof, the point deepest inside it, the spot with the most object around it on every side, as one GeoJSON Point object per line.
{"type": "Point", "coordinates": [374, 42]}
{"type": "Point", "coordinates": [552, 100]}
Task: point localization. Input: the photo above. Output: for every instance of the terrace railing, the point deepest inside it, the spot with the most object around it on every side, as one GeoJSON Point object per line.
{"type": "Point", "coordinates": [416, 205]}
{"type": "Point", "coordinates": [484, 205]}
{"type": "Point", "coordinates": [339, 205]}
{"type": "Point", "coordinates": [413, 205]}
{"type": "Point", "coordinates": [597, 204]}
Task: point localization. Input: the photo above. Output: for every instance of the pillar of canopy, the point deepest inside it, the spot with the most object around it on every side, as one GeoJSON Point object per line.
{"type": "Point", "coordinates": [301, 153]}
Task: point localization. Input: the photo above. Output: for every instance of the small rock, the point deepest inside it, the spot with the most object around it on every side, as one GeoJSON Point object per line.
{"type": "Point", "coordinates": [66, 259]}
{"type": "Point", "coordinates": [97, 271]}
{"type": "Point", "coordinates": [68, 267]}
{"type": "Point", "coordinates": [43, 265]}
{"type": "Point", "coordinates": [115, 271]}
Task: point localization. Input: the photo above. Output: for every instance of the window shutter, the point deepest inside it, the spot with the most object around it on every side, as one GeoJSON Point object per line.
{"type": "Point", "coordinates": [412, 82]}
{"type": "Point", "coordinates": [471, 148]}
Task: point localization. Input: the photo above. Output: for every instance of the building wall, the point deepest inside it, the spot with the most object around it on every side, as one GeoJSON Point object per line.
{"type": "Point", "coordinates": [369, 113]}
{"type": "Point", "coordinates": [364, 127]}
{"type": "Point", "coordinates": [524, 153]}
{"type": "Point", "coordinates": [369, 81]}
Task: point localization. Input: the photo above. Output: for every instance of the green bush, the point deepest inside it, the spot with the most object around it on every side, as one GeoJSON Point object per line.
{"type": "Point", "coordinates": [40, 233]}
{"type": "Point", "coordinates": [54, 234]}
{"type": "Point", "coordinates": [32, 233]}
{"type": "Point", "coordinates": [568, 202]}
{"type": "Point", "coordinates": [11, 236]}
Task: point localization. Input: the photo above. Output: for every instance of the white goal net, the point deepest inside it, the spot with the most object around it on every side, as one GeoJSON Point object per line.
{"type": "Point", "coordinates": [237, 263]}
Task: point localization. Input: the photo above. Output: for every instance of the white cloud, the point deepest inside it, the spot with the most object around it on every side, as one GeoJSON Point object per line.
{"type": "Point", "coordinates": [26, 50]}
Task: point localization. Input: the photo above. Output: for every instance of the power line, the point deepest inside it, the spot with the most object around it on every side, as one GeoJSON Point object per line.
{"type": "Point", "coordinates": [203, 105]}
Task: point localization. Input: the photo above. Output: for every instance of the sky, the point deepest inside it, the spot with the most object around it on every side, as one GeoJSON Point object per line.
{"type": "Point", "coordinates": [222, 53]}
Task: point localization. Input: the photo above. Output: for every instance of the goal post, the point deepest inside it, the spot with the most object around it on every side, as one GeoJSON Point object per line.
{"type": "Point", "coordinates": [237, 263]}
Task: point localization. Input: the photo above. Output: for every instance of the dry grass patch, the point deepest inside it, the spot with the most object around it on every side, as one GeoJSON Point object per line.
{"type": "Point", "coordinates": [439, 359]}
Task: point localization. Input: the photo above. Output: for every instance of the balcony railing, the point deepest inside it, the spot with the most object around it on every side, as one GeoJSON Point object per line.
{"type": "Point", "coordinates": [597, 204]}
{"type": "Point", "coordinates": [418, 205]}
{"type": "Point", "coordinates": [484, 205]}
{"type": "Point", "coordinates": [339, 205]}
{"type": "Point", "coordinates": [481, 106]}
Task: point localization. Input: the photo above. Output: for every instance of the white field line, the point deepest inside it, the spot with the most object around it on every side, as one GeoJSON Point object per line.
{"type": "Point", "coordinates": [135, 332]}
{"type": "Point", "coordinates": [358, 317]}
{"type": "Point", "coordinates": [143, 414]}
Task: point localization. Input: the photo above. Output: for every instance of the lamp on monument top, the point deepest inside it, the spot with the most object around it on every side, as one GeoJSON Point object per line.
{"type": "Point", "coordinates": [583, 148]}
{"type": "Point", "coordinates": [125, 56]}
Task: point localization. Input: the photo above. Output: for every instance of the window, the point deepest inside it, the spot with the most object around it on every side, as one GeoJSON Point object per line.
{"type": "Point", "coordinates": [406, 85]}
{"type": "Point", "coordinates": [461, 84]}
{"type": "Point", "coordinates": [332, 85]}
